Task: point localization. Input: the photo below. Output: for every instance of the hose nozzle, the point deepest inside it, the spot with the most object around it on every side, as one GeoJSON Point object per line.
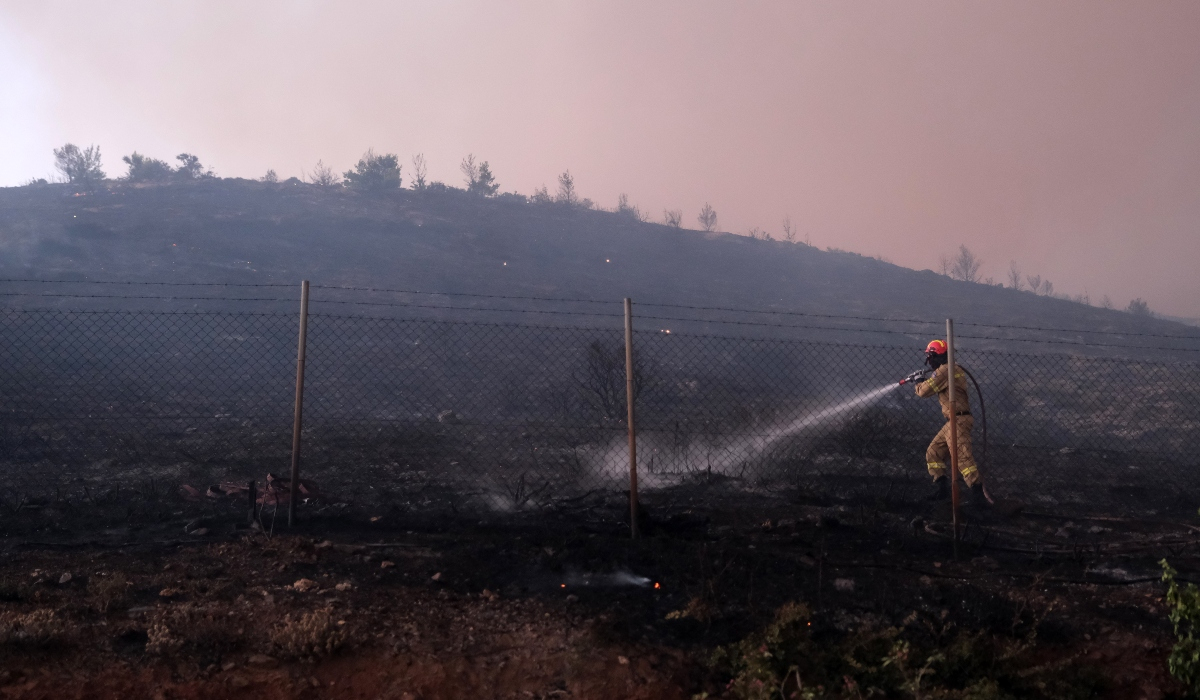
{"type": "Point", "coordinates": [915, 377]}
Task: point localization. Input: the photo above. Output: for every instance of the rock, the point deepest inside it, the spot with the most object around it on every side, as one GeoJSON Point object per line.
{"type": "Point", "coordinates": [343, 587]}
{"type": "Point", "coordinates": [623, 660]}
{"type": "Point", "coordinates": [304, 585]}
{"type": "Point", "coordinates": [572, 598]}
{"type": "Point", "coordinates": [845, 585]}
{"type": "Point", "coordinates": [65, 578]}
{"type": "Point", "coordinates": [325, 544]}
{"type": "Point", "coordinates": [488, 595]}
{"type": "Point", "coordinates": [228, 666]}
{"type": "Point", "coordinates": [262, 660]}
{"type": "Point", "coordinates": [436, 577]}
{"type": "Point", "coordinates": [239, 682]}
{"type": "Point", "coordinates": [199, 532]}
{"type": "Point", "coordinates": [170, 592]}
{"type": "Point", "coordinates": [386, 564]}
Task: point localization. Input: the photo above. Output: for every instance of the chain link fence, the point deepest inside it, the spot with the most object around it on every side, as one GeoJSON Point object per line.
{"type": "Point", "coordinates": [458, 416]}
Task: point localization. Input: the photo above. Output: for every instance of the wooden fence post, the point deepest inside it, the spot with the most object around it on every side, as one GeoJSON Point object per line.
{"type": "Point", "coordinates": [951, 374]}
{"type": "Point", "coordinates": [297, 420]}
{"type": "Point", "coordinates": [629, 395]}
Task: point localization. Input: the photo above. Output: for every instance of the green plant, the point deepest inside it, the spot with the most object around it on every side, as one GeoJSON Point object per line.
{"type": "Point", "coordinates": [1184, 661]}
{"type": "Point", "coordinates": [763, 663]}
{"type": "Point", "coordinates": [919, 660]}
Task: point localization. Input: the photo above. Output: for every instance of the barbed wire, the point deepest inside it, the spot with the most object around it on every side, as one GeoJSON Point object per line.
{"type": "Point", "coordinates": [162, 284]}
{"type": "Point", "coordinates": [466, 294]}
{"type": "Point", "coordinates": [730, 309]}
{"type": "Point", "coordinates": [720, 309]}
{"type": "Point", "coordinates": [132, 296]}
{"type": "Point", "coordinates": [1071, 342]}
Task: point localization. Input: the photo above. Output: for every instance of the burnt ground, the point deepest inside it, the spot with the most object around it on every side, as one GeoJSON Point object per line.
{"type": "Point", "coordinates": [559, 602]}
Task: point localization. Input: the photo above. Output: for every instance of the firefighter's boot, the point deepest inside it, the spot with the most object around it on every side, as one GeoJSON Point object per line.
{"type": "Point", "coordinates": [978, 499]}
{"type": "Point", "coordinates": [941, 490]}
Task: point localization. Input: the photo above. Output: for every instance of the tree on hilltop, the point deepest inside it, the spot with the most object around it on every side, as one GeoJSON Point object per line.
{"type": "Point", "coordinates": [190, 168]}
{"type": "Point", "coordinates": [79, 166]}
{"type": "Point", "coordinates": [417, 181]}
{"type": "Point", "coordinates": [633, 211]}
{"type": "Point", "coordinates": [485, 184]}
{"type": "Point", "coordinates": [965, 266]}
{"type": "Point", "coordinates": [145, 169]}
{"type": "Point", "coordinates": [323, 176]}
{"type": "Point", "coordinates": [707, 218]}
{"type": "Point", "coordinates": [479, 177]}
{"type": "Point", "coordinates": [375, 173]}
{"type": "Point", "coordinates": [566, 190]}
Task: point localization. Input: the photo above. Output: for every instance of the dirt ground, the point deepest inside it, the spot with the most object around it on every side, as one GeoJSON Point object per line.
{"type": "Point", "coordinates": [562, 604]}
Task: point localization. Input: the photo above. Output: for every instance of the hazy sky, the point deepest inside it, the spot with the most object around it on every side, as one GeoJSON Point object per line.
{"type": "Point", "coordinates": [1063, 135]}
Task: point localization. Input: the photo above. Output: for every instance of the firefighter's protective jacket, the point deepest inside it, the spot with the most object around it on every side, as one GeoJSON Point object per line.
{"type": "Point", "coordinates": [937, 384]}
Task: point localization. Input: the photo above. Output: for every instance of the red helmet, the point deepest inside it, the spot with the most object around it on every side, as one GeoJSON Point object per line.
{"type": "Point", "coordinates": [936, 347]}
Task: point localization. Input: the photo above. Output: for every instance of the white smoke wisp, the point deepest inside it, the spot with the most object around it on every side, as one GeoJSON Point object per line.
{"type": "Point", "coordinates": [616, 578]}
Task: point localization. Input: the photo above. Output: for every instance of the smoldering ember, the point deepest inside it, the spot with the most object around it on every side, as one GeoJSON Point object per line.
{"type": "Point", "coordinates": [422, 426]}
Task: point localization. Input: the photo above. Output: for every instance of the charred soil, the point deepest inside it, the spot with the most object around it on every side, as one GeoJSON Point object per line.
{"type": "Point", "coordinates": [823, 600]}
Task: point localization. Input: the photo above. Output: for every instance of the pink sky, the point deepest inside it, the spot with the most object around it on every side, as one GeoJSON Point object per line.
{"type": "Point", "coordinates": [1062, 135]}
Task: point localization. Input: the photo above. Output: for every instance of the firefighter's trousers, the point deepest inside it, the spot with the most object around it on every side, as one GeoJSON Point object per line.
{"type": "Point", "coordinates": [937, 457]}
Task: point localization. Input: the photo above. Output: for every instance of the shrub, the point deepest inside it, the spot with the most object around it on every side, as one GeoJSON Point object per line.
{"type": "Point", "coordinates": [40, 628]}
{"type": "Point", "coordinates": [313, 635]}
{"type": "Point", "coordinates": [192, 627]}
{"type": "Point", "coordinates": [1184, 661]}
{"type": "Point", "coordinates": [1139, 307]}
{"type": "Point", "coordinates": [107, 591]}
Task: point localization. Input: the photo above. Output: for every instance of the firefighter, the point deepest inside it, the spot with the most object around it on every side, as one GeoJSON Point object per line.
{"type": "Point", "coordinates": [937, 456]}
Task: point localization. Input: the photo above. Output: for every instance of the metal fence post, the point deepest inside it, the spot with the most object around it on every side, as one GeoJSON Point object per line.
{"type": "Point", "coordinates": [297, 419]}
{"type": "Point", "coordinates": [951, 373]}
{"type": "Point", "coordinates": [629, 389]}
